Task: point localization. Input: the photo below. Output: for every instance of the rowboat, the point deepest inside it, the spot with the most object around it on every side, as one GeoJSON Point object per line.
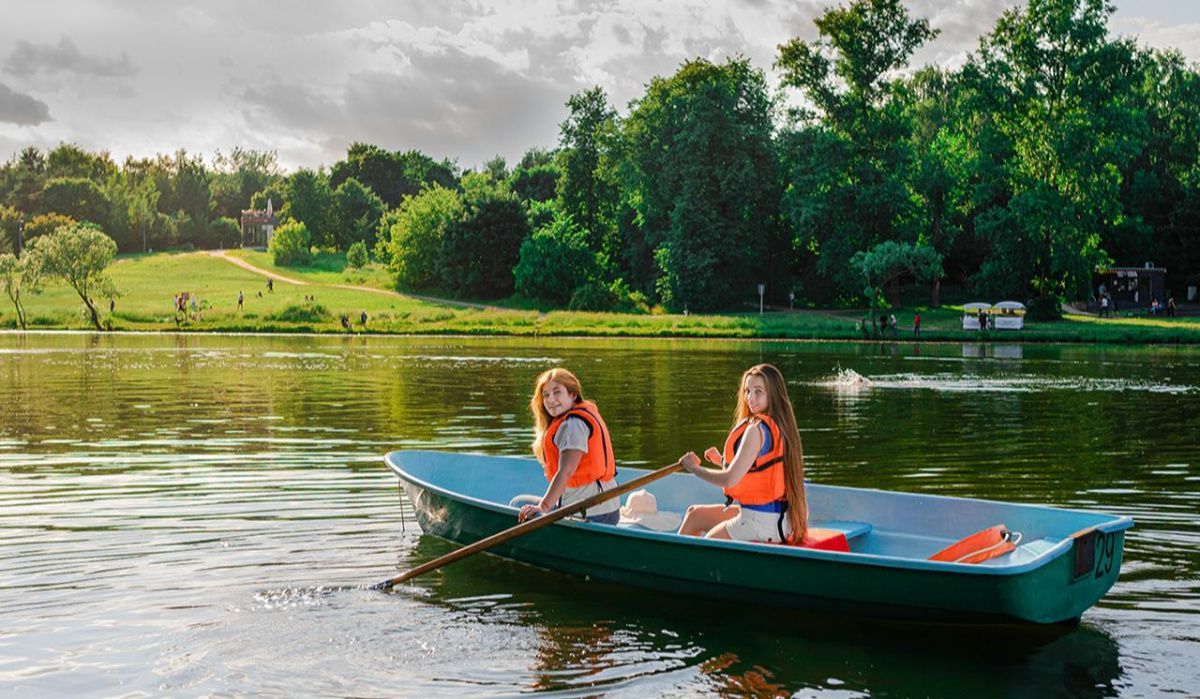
{"type": "Point", "coordinates": [1065, 561]}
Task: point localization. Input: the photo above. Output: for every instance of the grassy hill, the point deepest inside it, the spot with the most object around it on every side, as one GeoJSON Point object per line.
{"type": "Point", "coordinates": [149, 282]}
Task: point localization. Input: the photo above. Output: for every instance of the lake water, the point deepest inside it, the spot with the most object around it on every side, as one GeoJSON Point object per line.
{"type": "Point", "coordinates": [191, 515]}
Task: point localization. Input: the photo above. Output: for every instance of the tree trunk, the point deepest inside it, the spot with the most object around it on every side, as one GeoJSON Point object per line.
{"type": "Point", "coordinates": [92, 310]}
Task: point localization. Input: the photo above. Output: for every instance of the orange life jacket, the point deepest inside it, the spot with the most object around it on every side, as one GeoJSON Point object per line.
{"type": "Point", "coordinates": [763, 483]}
{"type": "Point", "coordinates": [597, 463]}
{"type": "Point", "coordinates": [980, 546]}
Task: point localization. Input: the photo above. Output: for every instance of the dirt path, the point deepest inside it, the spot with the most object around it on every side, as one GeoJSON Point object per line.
{"type": "Point", "coordinates": [223, 254]}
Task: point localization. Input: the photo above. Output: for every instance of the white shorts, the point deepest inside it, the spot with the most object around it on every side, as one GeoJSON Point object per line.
{"type": "Point", "coordinates": [753, 525]}
{"type": "Point", "coordinates": [574, 495]}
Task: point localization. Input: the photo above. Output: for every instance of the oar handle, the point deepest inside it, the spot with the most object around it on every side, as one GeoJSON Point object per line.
{"type": "Point", "coordinates": [528, 526]}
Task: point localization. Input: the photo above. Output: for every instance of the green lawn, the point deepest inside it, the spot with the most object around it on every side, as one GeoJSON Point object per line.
{"type": "Point", "coordinates": [327, 268]}
{"type": "Point", "coordinates": [149, 282]}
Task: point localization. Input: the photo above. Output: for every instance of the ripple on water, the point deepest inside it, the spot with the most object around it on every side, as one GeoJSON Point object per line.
{"type": "Point", "coordinates": [199, 517]}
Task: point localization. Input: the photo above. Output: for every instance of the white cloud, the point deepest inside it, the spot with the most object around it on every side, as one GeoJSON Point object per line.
{"type": "Point", "coordinates": [458, 78]}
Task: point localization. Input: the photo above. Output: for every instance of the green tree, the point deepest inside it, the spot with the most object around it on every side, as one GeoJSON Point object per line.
{"type": "Point", "coordinates": [45, 224]}
{"type": "Point", "coordinates": [886, 265]}
{"type": "Point", "coordinates": [69, 160]}
{"type": "Point", "coordinates": [941, 167]}
{"type": "Point", "coordinates": [537, 183]}
{"type": "Point", "coordinates": [1057, 90]}
{"type": "Point", "coordinates": [185, 194]}
{"type": "Point", "coordinates": [291, 244]}
{"type": "Point", "coordinates": [225, 232]}
{"type": "Point", "coordinates": [416, 239]}
{"type": "Point", "coordinates": [356, 255]}
{"type": "Point", "coordinates": [238, 175]}
{"type": "Point", "coordinates": [392, 175]}
{"type": "Point", "coordinates": [79, 198]}
{"type": "Point", "coordinates": [1160, 191]}
{"type": "Point", "coordinates": [554, 262]}
{"type": "Point", "coordinates": [20, 276]}
{"type": "Point", "coordinates": [9, 222]}
{"type": "Point", "coordinates": [482, 247]}
{"type": "Point", "coordinates": [142, 206]}
{"type": "Point", "coordinates": [536, 157]}
{"type": "Point", "coordinates": [78, 254]}
{"type": "Point", "coordinates": [497, 168]}
{"type": "Point", "coordinates": [273, 194]}
{"type": "Point", "coordinates": [310, 201]}
{"type": "Point", "coordinates": [702, 177]}
{"type": "Point", "coordinates": [357, 212]}
{"type": "Point", "coordinates": [587, 188]}
{"type": "Point", "coordinates": [846, 171]}
{"type": "Point", "coordinates": [22, 179]}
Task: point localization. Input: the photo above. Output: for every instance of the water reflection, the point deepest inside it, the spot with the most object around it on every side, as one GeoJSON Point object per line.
{"type": "Point", "coordinates": [601, 637]}
{"type": "Point", "coordinates": [205, 505]}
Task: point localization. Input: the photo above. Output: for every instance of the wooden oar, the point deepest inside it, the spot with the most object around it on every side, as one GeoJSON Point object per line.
{"type": "Point", "coordinates": [528, 526]}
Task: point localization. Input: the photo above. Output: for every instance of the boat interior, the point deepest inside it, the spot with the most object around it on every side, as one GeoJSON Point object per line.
{"type": "Point", "coordinates": [875, 523]}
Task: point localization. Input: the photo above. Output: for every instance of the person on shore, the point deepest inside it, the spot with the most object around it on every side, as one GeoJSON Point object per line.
{"type": "Point", "coordinates": [917, 325]}
{"type": "Point", "coordinates": [241, 298]}
{"type": "Point", "coordinates": [573, 444]}
{"type": "Point", "coordinates": [761, 469]}
{"type": "Point", "coordinates": [270, 285]}
{"type": "Point", "coordinates": [983, 321]}
{"type": "Point", "coordinates": [1170, 306]}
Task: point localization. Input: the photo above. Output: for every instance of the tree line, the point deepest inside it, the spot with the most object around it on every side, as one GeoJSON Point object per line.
{"type": "Point", "coordinates": [1053, 150]}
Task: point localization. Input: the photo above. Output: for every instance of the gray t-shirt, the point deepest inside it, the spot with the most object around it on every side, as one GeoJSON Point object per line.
{"type": "Point", "coordinates": [573, 434]}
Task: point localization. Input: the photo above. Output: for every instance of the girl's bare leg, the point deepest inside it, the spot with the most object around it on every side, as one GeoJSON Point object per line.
{"type": "Point", "coordinates": [700, 519]}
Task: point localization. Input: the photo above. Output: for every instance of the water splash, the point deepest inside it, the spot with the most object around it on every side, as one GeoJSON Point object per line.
{"type": "Point", "coordinates": [847, 380]}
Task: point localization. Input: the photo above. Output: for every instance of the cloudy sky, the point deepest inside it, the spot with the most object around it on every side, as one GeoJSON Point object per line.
{"type": "Point", "coordinates": [464, 80]}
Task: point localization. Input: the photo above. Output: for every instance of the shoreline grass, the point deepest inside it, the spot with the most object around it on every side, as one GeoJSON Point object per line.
{"type": "Point", "coordinates": [148, 283]}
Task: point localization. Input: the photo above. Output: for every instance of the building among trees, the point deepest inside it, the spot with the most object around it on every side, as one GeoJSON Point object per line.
{"type": "Point", "coordinates": [1132, 287]}
{"type": "Point", "coordinates": [258, 226]}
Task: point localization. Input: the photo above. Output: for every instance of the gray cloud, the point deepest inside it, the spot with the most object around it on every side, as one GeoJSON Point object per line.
{"type": "Point", "coordinates": [29, 59]}
{"type": "Point", "coordinates": [447, 104]}
{"type": "Point", "coordinates": [455, 78]}
{"type": "Point", "coordinates": [20, 109]}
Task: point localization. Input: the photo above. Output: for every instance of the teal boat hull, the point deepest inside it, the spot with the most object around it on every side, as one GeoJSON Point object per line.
{"type": "Point", "coordinates": [1074, 560]}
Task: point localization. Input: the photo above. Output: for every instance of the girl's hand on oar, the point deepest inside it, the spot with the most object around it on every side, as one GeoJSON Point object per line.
{"type": "Point", "coordinates": [529, 512]}
{"type": "Point", "coordinates": [714, 457]}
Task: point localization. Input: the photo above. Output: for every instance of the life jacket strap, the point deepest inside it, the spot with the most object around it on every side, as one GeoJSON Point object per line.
{"type": "Point", "coordinates": [766, 464]}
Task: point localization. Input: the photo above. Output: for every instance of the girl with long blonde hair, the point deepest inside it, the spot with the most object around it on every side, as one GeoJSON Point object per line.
{"type": "Point", "coordinates": [761, 469]}
{"type": "Point", "coordinates": [574, 446]}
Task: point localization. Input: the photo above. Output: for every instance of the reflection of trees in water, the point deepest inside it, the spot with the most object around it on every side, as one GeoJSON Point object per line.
{"type": "Point", "coordinates": [754, 682]}
{"type": "Point", "coordinates": [601, 636]}
{"type": "Point", "coordinates": [577, 652]}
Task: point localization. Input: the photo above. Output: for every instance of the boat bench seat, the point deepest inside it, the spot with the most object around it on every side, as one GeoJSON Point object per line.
{"type": "Point", "coordinates": [833, 535]}
{"type": "Point", "coordinates": [852, 530]}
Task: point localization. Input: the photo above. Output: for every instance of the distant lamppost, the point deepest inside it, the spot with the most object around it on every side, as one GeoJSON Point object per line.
{"type": "Point", "coordinates": [761, 289]}
{"type": "Point", "coordinates": [20, 233]}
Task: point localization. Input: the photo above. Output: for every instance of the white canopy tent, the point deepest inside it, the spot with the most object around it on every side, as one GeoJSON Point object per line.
{"type": "Point", "coordinates": [971, 314]}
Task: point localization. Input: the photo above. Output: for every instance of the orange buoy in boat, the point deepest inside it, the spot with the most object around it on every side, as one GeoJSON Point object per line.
{"type": "Point", "coordinates": [980, 546]}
